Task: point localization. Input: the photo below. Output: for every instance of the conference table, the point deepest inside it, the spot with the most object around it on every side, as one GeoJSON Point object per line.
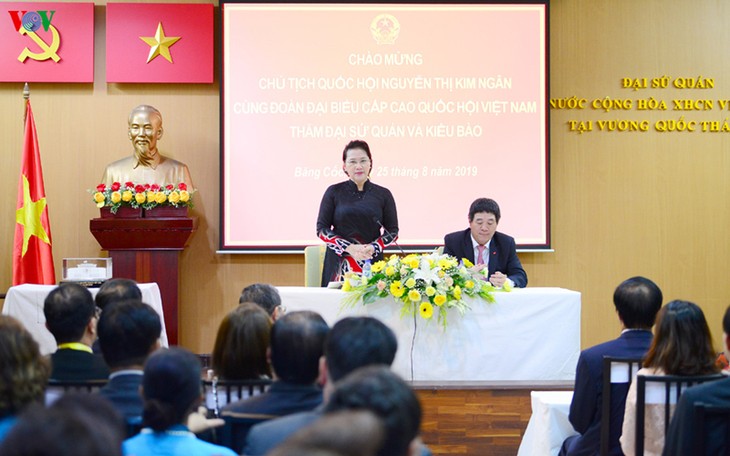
{"type": "Point", "coordinates": [528, 335]}
{"type": "Point", "coordinates": [25, 303]}
{"type": "Point", "coordinates": [549, 425]}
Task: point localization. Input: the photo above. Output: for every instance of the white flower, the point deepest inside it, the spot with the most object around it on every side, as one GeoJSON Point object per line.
{"type": "Point", "coordinates": [425, 273]}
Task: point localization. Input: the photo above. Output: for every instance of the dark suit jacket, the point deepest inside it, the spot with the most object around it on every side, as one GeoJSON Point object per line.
{"type": "Point", "coordinates": [123, 392]}
{"type": "Point", "coordinates": [502, 254]}
{"type": "Point", "coordinates": [76, 365]}
{"type": "Point", "coordinates": [681, 434]}
{"type": "Point", "coordinates": [265, 436]}
{"type": "Point", "coordinates": [282, 398]}
{"type": "Point", "coordinates": [585, 409]}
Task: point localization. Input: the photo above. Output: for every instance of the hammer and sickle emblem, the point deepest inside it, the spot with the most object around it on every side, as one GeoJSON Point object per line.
{"type": "Point", "coordinates": [49, 51]}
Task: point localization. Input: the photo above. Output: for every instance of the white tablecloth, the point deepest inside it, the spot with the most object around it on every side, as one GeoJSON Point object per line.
{"type": "Point", "coordinates": [549, 425]}
{"type": "Point", "coordinates": [25, 303]}
{"type": "Point", "coordinates": [530, 334]}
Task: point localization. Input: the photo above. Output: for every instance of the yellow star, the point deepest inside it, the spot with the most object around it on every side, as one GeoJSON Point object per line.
{"type": "Point", "coordinates": [30, 217]}
{"type": "Point", "coordinates": [159, 44]}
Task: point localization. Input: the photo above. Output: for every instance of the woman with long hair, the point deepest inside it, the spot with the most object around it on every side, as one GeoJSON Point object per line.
{"type": "Point", "coordinates": [682, 345]}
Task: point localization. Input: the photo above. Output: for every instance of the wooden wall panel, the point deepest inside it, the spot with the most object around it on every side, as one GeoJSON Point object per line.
{"type": "Point", "coordinates": [623, 204]}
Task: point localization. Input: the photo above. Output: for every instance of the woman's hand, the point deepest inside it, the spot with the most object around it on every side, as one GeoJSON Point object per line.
{"type": "Point", "coordinates": [360, 252]}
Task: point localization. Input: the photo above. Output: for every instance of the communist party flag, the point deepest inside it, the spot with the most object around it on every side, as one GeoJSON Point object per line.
{"type": "Point", "coordinates": [32, 255]}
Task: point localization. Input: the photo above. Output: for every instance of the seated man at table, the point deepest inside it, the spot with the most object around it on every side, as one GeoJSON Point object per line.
{"type": "Point", "coordinates": [71, 317]}
{"type": "Point", "coordinates": [297, 344]}
{"type": "Point", "coordinates": [129, 331]}
{"type": "Point", "coordinates": [683, 427]}
{"type": "Point", "coordinates": [637, 301]}
{"type": "Point", "coordinates": [485, 247]}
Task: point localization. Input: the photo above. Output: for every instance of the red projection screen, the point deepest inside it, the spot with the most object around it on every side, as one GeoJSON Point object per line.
{"type": "Point", "coordinates": [451, 98]}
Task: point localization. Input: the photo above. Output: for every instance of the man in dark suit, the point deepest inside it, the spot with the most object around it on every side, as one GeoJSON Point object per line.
{"type": "Point", "coordinates": [297, 344]}
{"type": "Point", "coordinates": [71, 318]}
{"type": "Point", "coordinates": [353, 342]}
{"type": "Point", "coordinates": [485, 247]}
{"type": "Point", "coordinates": [682, 429]}
{"type": "Point", "coordinates": [128, 332]}
{"type": "Point", "coordinates": [637, 301]}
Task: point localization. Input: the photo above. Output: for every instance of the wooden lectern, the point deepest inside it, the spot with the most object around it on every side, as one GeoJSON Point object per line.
{"type": "Point", "coordinates": [148, 249]}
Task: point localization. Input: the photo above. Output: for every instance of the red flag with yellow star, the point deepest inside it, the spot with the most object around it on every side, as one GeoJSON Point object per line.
{"type": "Point", "coordinates": [32, 255]}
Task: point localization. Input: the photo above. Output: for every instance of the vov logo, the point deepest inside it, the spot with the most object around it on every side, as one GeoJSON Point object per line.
{"type": "Point", "coordinates": [27, 23]}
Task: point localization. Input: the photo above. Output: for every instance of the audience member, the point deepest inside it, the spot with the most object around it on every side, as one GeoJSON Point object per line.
{"type": "Point", "coordinates": [171, 390]}
{"type": "Point", "coordinates": [353, 342]}
{"type": "Point", "coordinates": [128, 332]}
{"type": "Point", "coordinates": [344, 433]}
{"type": "Point", "coordinates": [265, 296]}
{"type": "Point", "coordinates": [71, 317]}
{"type": "Point", "coordinates": [682, 430]}
{"type": "Point", "coordinates": [377, 389]}
{"type": "Point", "coordinates": [117, 290]}
{"type": "Point", "coordinates": [23, 372]}
{"type": "Point", "coordinates": [297, 343]}
{"type": "Point", "coordinates": [682, 345]}
{"type": "Point", "coordinates": [77, 424]}
{"type": "Point", "coordinates": [637, 301]}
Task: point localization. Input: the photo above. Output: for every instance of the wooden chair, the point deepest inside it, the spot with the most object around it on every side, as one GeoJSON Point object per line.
{"type": "Point", "coordinates": [662, 390]}
{"type": "Point", "coordinates": [618, 373]}
{"type": "Point", "coordinates": [710, 423]}
{"type": "Point", "coordinates": [226, 391]}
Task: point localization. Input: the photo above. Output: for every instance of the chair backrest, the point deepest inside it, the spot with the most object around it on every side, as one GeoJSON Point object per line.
{"type": "Point", "coordinates": [712, 424]}
{"type": "Point", "coordinates": [618, 372]}
{"type": "Point", "coordinates": [662, 390]}
{"type": "Point", "coordinates": [313, 264]}
{"type": "Point", "coordinates": [219, 393]}
{"type": "Point", "coordinates": [57, 388]}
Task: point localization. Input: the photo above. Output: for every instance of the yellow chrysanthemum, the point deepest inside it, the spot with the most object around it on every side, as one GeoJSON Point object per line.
{"type": "Point", "coordinates": [457, 292]}
{"type": "Point", "coordinates": [151, 196]}
{"type": "Point", "coordinates": [140, 198]}
{"type": "Point", "coordinates": [414, 263]}
{"type": "Point", "coordinates": [160, 198]}
{"type": "Point", "coordinates": [389, 271]}
{"type": "Point", "coordinates": [430, 291]}
{"type": "Point", "coordinates": [174, 197]}
{"type": "Point", "coordinates": [411, 282]}
{"type": "Point", "coordinates": [184, 196]}
{"type": "Point", "coordinates": [377, 266]}
{"type": "Point", "coordinates": [426, 310]}
{"type": "Point", "coordinates": [116, 197]}
{"type": "Point", "coordinates": [469, 284]}
{"type": "Point", "coordinates": [439, 300]}
{"type": "Point", "coordinates": [414, 295]}
{"type": "Point", "coordinates": [99, 197]}
{"type": "Point", "coordinates": [127, 196]}
{"type": "Point", "coordinates": [396, 289]}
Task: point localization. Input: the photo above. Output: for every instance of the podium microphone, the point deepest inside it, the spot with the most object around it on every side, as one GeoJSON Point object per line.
{"type": "Point", "coordinates": [377, 220]}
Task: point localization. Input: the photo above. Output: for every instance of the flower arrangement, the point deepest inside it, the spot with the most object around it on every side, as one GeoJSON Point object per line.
{"type": "Point", "coordinates": [146, 196]}
{"type": "Point", "coordinates": [427, 284]}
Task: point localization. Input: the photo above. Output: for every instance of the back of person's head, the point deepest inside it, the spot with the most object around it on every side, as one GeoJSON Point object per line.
{"type": "Point", "coordinates": [262, 294]}
{"type": "Point", "coordinates": [726, 321]}
{"type": "Point", "coordinates": [97, 408]}
{"type": "Point", "coordinates": [379, 390]}
{"type": "Point", "coordinates": [23, 370]}
{"type": "Point", "coordinates": [356, 342]}
{"type": "Point", "coordinates": [171, 387]}
{"type": "Point", "coordinates": [128, 332]}
{"type": "Point", "coordinates": [116, 290]}
{"type": "Point", "coordinates": [484, 205]}
{"type": "Point", "coordinates": [343, 433]}
{"type": "Point", "coordinates": [62, 431]}
{"type": "Point", "coordinates": [297, 343]}
{"type": "Point", "coordinates": [637, 302]}
{"type": "Point", "coordinates": [68, 309]}
{"type": "Point", "coordinates": [240, 346]}
{"type": "Point", "coordinates": [682, 343]}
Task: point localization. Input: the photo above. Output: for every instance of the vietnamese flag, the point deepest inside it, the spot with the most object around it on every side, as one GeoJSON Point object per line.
{"type": "Point", "coordinates": [159, 42]}
{"type": "Point", "coordinates": [32, 255]}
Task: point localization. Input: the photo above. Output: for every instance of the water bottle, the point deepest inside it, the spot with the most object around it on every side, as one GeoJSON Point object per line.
{"type": "Point", "coordinates": [366, 269]}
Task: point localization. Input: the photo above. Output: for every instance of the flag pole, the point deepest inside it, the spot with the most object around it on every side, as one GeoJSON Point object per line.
{"type": "Point", "coordinates": [26, 97]}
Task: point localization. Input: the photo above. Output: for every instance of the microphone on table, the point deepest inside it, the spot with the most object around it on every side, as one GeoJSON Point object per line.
{"type": "Point", "coordinates": [377, 220]}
